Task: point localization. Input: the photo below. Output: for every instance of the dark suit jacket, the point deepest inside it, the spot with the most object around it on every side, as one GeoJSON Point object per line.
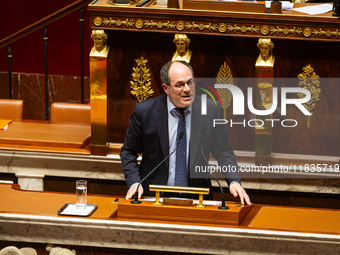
{"type": "Point", "coordinates": [147, 134]}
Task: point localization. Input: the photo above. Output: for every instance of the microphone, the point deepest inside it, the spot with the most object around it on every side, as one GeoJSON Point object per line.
{"type": "Point", "coordinates": [223, 206]}
{"type": "Point", "coordinates": [136, 201]}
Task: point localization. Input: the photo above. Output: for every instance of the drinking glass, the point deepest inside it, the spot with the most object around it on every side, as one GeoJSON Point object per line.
{"type": "Point", "coordinates": [81, 191]}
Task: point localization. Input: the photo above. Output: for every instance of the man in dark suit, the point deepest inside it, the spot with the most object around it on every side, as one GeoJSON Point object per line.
{"type": "Point", "coordinates": [153, 133]}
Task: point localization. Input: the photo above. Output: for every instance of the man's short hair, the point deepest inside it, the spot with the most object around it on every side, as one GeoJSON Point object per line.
{"type": "Point", "coordinates": [165, 70]}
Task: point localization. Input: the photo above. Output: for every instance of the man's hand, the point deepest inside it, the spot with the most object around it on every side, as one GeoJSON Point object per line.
{"type": "Point", "coordinates": [236, 190]}
{"type": "Point", "coordinates": [132, 191]}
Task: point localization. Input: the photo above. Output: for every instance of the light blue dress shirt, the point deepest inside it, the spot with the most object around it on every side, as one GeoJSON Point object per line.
{"type": "Point", "coordinates": [172, 127]}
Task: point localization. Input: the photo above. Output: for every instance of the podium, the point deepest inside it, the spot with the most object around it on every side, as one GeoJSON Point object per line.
{"type": "Point", "coordinates": [209, 214]}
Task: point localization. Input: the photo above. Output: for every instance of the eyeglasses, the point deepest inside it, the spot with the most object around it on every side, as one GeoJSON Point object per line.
{"type": "Point", "coordinates": [180, 86]}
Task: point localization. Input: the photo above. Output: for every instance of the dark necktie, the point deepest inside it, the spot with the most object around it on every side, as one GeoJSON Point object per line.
{"type": "Point", "coordinates": [181, 172]}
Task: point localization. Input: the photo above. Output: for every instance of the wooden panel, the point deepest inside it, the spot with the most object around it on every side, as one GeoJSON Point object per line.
{"type": "Point", "coordinates": [210, 214]}
{"type": "Point", "coordinates": [45, 134]}
{"type": "Point", "coordinates": [48, 203]}
{"type": "Point", "coordinates": [322, 138]}
{"type": "Point", "coordinates": [125, 48]}
{"type": "Point", "coordinates": [297, 219]}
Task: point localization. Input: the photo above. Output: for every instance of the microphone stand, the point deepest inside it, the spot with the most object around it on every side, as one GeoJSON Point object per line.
{"type": "Point", "coordinates": [136, 201]}
{"type": "Point", "coordinates": [223, 206]}
{"type": "Point", "coordinates": [336, 8]}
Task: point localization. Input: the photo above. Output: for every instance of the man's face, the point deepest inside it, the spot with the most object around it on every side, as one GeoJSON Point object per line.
{"type": "Point", "coordinates": [181, 47]}
{"type": "Point", "coordinates": [180, 96]}
{"type": "Point", "coordinates": [265, 51]}
{"type": "Point", "coordinates": [98, 42]}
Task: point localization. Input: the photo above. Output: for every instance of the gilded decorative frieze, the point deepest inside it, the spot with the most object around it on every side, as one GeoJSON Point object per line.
{"type": "Point", "coordinates": [310, 81]}
{"type": "Point", "coordinates": [221, 27]}
{"type": "Point", "coordinates": [168, 25]}
{"type": "Point", "coordinates": [118, 22]}
{"type": "Point", "coordinates": [244, 29]}
{"type": "Point", "coordinates": [327, 33]}
{"type": "Point", "coordinates": [285, 30]}
{"type": "Point", "coordinates": [201, 26]}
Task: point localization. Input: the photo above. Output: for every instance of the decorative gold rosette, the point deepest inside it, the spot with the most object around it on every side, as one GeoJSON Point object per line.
{"type": "Point", "coordinates": [180, 25]}
{"type": "Point", "coordinates": [139, 24]}
{"type": "Point", "coordinates": [222, 27]}
{"type": "Point", "coordinates": [98, 21]}
{"type": "Point", "coordinates": [307, 32]}
{"type": "Point", "coordinates": [265, 30]}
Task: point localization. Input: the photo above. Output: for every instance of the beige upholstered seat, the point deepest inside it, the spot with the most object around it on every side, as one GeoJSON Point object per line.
{"type": "Point", "coordinates": [12, 250]}
{"type": "Point", "coordinates": [70, 113]}
{"type": "Point", "coordinates": [11, 109]}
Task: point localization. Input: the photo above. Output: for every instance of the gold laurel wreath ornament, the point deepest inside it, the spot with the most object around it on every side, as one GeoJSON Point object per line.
{"type": "Point", "coordinates": [310, 81]}
{"type": "Point", "coordinates": [141, 81]}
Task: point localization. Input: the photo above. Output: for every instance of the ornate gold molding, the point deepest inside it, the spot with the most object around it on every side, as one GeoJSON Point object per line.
{"type": "Point", "coordinates": [327, 33]}
{"type": "Point", "coordinates": [224, 76]}
{"type": "Point", "coordinates": [285, 30]}
{"type": "Point", "coordinates": [141, 81]}
{"type": "Point", "coordinates": [244, 29]}
{"type": "Point", "coordinates": [310, 81]}
{"type": "Point", "coordinates": [168, 25]}
{"type": "Point", "coordinates": [220, 27]}
{"type": "Point", "coordinates": [118, 22]}
{"type": "Point", "coordinates": [201, 26]}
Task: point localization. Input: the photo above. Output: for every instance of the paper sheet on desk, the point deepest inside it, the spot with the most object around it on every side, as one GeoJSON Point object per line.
{"type": "Point", "coordinates": [286, 5]}
{"type": "Point", "coordinates": [161, 3]}
{"type": "Point", "coordinates": [72, 209]}
{"type": "Point", "coordinates": [315, 9]}
{"type": "Point", "coordinates": [196, 202]}
{"type": "Point", "coordinates": [4, 124]}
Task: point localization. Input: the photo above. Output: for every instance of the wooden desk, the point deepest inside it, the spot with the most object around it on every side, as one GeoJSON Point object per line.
{"type": "Point", "coordinates": [45, 136]}
{"type": "Point", "coordinates": [289, 25]}
{"type": "Point", "coordinates": [32, 217]}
